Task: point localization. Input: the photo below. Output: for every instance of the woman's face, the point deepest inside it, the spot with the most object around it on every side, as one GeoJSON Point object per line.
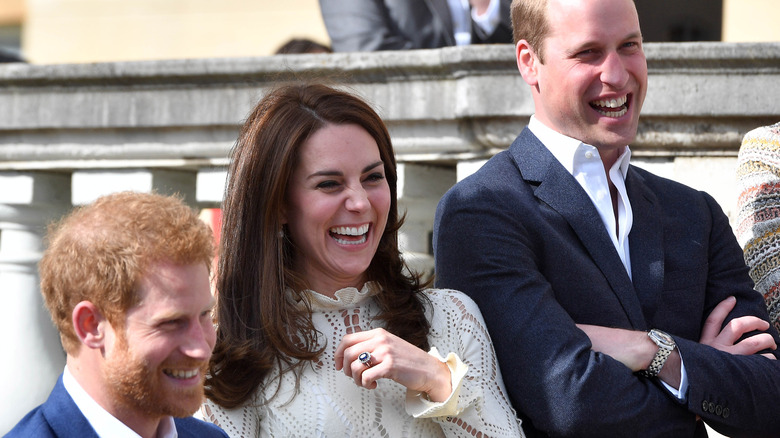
{"type": "Point", "coordinates": [337, 205]}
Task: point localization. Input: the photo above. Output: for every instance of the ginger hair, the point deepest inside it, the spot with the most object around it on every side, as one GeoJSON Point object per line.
{"type": "Point", "coordinates": [100, 253]}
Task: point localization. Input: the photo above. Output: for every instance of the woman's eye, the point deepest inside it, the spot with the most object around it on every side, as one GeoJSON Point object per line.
{"type": "Point", "coordinates": [327, 185]}
{"type": "Point", "coordinates": [375, 177]}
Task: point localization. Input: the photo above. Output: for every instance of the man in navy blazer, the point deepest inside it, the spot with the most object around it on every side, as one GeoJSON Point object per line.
{"type": "Point", "coordinates": [618, 302]}
{"type": "Point", "coordinates": [369, 25]}
{"type": "Point", "coordinates": [60, 417]}
{"type": "Point", "coordinates": [126, 280]}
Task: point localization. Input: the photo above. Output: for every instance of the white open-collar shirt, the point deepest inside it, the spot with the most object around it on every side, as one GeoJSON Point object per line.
{"type": "Point", "coordinates": [584, 163]}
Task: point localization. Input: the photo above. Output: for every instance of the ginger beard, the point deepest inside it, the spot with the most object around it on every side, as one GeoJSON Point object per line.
{"type": "Point", "coordinates": [140, 388]}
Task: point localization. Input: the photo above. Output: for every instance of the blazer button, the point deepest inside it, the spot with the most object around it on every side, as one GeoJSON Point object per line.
{"type": "Point", "coordinates": [712, 407]}
{"type": "Point", "coordinates": [725, 412]}
{"type": "Point", "coordinates": [718, 410]}
{"type": "Point", "coordinates": [704, 406]}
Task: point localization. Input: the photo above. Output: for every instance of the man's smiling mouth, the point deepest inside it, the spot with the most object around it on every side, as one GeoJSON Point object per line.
{"type": "Point", "coordinates": [611, 107]}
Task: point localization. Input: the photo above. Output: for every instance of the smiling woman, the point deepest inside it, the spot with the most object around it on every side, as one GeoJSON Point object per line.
{"type": "Point", "coordinates": [313, 292]}
{"type": "Point", "coordinates": [337, 209]}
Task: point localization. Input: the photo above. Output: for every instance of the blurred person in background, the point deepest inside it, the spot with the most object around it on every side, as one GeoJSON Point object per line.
{"type": "Point", "coordinates": [369, 25]}
{"type": "Point", "coordinates": [758, 220]}
{"type": "Point", "coordinates": [302, 45]}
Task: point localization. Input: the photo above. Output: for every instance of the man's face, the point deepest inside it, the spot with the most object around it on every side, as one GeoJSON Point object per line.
{"type": "Point", "coordinates": [157, 366]}
{"type": "Point", "coordinates": [594, 78]}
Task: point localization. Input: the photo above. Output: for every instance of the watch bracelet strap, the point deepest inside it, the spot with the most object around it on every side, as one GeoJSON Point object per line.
{"type": "Point", "coordinates": [661, 355]}
{"type": "Point", "coordinates": [657, 363]}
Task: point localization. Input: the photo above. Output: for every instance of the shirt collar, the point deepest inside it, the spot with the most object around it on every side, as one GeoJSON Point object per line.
{"type": "Point", "coordinates": [568, 151]}
{"type": "Point", "coordinates": [105, 424]}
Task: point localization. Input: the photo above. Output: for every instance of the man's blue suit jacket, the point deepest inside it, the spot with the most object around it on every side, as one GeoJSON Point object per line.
{"type": "Point", "coordinates": [523, 239]}
{"type": "Point", "coordinates": [60, 417]}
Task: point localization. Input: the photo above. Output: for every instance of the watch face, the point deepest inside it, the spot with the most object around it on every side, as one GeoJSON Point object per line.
{"type": "Point", "coordinates": [663, 337]}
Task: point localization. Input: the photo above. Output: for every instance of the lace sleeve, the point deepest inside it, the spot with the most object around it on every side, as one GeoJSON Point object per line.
{"type": "Point", "coordinates": [457, 327]}
{"type": "Point", "coordinates": [419, 406]}
{"type": "Point", "coordinates": [241, 422]}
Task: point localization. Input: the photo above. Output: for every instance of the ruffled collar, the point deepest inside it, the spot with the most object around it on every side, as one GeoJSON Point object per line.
{"type": "Point", "coordinates": [345, 298]}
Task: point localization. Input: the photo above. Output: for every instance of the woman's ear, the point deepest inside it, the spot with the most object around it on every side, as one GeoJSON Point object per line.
{"type": "Point", "coordinates": [88, 324]}
{"type": "Point", "coordinates": [527, 62]}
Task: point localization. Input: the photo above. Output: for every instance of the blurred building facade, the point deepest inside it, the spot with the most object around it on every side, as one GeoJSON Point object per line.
{"type": "Point", "coordinates": [78, 31]}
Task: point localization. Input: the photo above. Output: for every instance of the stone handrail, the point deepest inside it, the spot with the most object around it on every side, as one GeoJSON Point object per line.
{"type": "Point", "coordinates": [442, 105]}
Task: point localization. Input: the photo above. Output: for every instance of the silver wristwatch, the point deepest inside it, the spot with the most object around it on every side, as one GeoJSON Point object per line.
{"type": "Point", "coordinates": [665, 346]}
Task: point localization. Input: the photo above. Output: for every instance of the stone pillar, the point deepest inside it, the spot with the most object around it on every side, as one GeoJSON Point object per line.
{"type": "Point", "coordinates": [211, 184]}
{"type": "Point", "coordinates": [466, 168]}
{"type": "Point", "coordinates": [419, 189]}
{"type": "Point", "coordinates": [33, 356]}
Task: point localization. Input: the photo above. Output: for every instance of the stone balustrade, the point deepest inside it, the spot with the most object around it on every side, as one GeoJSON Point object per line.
{"type": "Point", "coordinates": [70, 133]}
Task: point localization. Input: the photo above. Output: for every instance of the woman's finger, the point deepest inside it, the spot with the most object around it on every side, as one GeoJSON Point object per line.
{"type": "Point", "coordinates": [366, 373]}
{"type": "Point", "coordinates": [341, 358]}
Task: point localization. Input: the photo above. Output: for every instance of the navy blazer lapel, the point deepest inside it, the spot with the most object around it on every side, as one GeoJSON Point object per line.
{"type": "Point", "coordinates": [646, 243]}
{"type": "Point", "coordinates": [64, 416]}
{"type": "Point", "coordinates": [557, 188]}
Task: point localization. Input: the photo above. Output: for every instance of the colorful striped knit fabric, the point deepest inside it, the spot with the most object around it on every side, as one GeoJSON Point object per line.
{"type": "Point", "coordinates": [758, 223]}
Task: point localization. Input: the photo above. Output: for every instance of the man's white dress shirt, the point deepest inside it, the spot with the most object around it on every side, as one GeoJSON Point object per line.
{"type": "Point", "coordinates": [584, 163]}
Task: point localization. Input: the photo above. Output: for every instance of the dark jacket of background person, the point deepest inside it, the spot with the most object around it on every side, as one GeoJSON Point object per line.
{"type": "Point", "coordinates": [369, 25]}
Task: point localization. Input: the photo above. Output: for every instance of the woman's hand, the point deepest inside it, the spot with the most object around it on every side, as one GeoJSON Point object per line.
{"type": "Point", "coordinates": [393, 358]}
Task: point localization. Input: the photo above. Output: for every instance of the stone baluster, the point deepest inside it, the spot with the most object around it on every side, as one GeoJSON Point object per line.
{"type": "Point", "coordinates": [419, 189]}
{"type": "Point", "coordinates": [33, 356]}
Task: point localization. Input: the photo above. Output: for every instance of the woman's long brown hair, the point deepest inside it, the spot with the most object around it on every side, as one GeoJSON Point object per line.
{"type": "Point", "coordinates": [259, 326]}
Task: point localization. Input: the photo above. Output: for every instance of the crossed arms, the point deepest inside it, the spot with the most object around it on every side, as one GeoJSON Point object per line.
{"type": "Point", "coordinates": [544, 299]}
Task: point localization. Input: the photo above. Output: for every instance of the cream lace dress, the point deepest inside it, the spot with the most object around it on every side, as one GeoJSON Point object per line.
{"type": "Point", "coordinates": [329, 403]}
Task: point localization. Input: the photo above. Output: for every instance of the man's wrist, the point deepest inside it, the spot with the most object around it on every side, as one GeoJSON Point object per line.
{"type": "Point", "coordinates": [665, 346]}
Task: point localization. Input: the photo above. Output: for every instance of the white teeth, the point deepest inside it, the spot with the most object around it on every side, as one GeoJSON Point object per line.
{"type": "Point", "coordinates": [182, 374]}
{"type": "Point", "coordinates": [350, 231]}
{"type": "Point", "coordinates": [351, 242]}
{"type": "Point", "coordinates": [613, 114]}
{"type": "Point", "coordinates": [611, 103]}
